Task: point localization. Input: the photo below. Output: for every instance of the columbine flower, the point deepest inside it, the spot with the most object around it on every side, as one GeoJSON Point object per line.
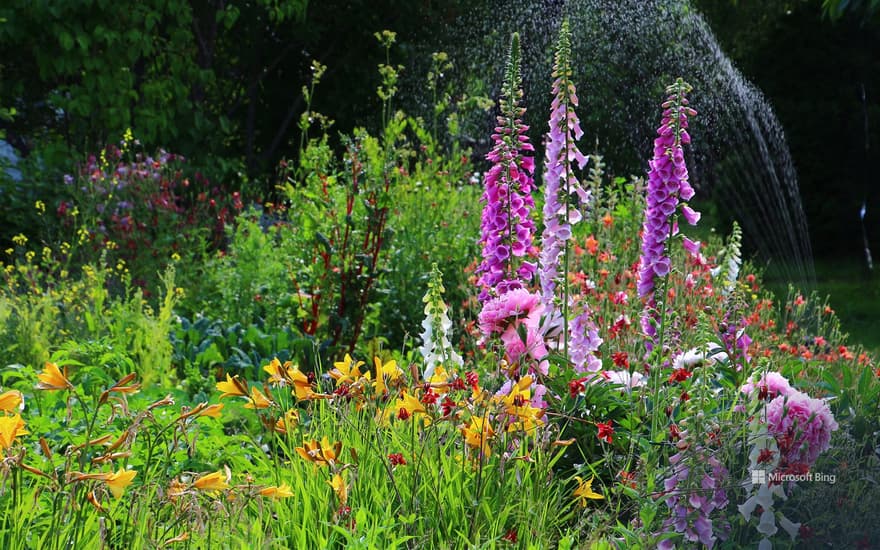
{"type": "Point", "coordinates": [276, 492]}
{"type": "Point", "coordinates": [212, 482]}
{"type": "Point", "coordinates": [53, 379]}
{"type": "Point", "coordinates": [560, 182]}
{"type": "Point", "coordinates": [11, 401]}
{"type": "Point", "coordinates": [585, 492]}
{"type": "Point", "coordinates": [506, 228]}
{"type": "Point", "coordinates": [233, 387]}
{"type": "Point", "coordinates": [10, 428]}
{"type": "Point", "coordinates": [119, 481]}
{"type": "Point", "coordinates": [667, 183]}
{"type": "Point", "coordinates": [345, 371]}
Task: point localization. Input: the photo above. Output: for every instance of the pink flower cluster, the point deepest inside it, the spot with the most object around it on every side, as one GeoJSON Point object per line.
{"type": "Point", "coordinates": [801, 425]}
{"type": "Point", "coordinates": [504, 315]}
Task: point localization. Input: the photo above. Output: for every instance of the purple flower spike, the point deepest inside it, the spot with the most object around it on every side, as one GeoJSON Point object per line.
{"type": "Point", "coordinates": [667, 185]}
{"type": "Point", "coordinates": [506, 228]}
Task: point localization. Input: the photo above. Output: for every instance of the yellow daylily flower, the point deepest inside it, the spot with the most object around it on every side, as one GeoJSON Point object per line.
{"type": "Point", "coordinates": [585, 491]}
{"type": "Point", "coordinates": [344, 372]}
{"type": "Point", "coordinates": [340, 488]}
{"type": "Point", "coordinates": [302, 388]}
{"type": "Point", "coordinates": [53, 379]}
{"type": "Point", "coordinates": [276, 372]}
{"type": "Point", "coordinates": [320, 453]}
{"type": "Point", "coordinates": [233, 387]}
{"type": "Point", "coordinates": [408, 405]}
{"type": "Point", "coordinates": [440, 380]}
{"type": "Point", "coordinates": [389, 370]}
{"type": "Point", "coordinates": [119, 481]}
{"type": "Point", "coordinates": [10, 428]}
{"type": "Point", "coordinates": [277, 492]}
{"type": "Point", "coordinates": [258, 400]}
{"type": "Point", "coordinates": [477, 434]}
{"type": "Point", "coordinates": [212, 411]}
{"type": "Point", "coordinates": [211, 482]}
{"type": "Point", "coordinates": [290, 420]}
{"type": "Point", "coordinates": [11, 401]}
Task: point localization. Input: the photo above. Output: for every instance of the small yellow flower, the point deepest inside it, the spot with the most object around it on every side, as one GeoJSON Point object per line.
{"type": "Point", "coordinates": [40, 206]}
{"type": "Point", "coordinates": [10, 428]}
{"type": "Point", "coordinates": [477, 434]}
{"type": "Point", "coordinates": [211, 482]}
{"type": "Point", "coordinates": [175, 257]}
{"type": "Point", "coordinates": [233, 387]}
{"type": "Point", "coordinates": [340, 488]}
{"type": "Point", "coordinates": [53, 379]}
{"type": "Point", "coordinates": [258, 400]}
{"type": "Point", "coordinates": [119, 481]}
{"type": "Point", "coordinates": [282, 491]}
{"type": "Point", "coordinates": [11, 401]}
{"type": "Point", "coordinates": [343, 371]}
{"type": "Point", "coordinates": [585, 491]}
{"type": "Point", "coordinates": [322, 454]}
{"type": "Point", "coordinates": [20, 239]}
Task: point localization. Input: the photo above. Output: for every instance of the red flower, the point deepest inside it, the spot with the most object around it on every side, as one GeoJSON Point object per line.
{"type": "Point", "coordinates": [679, 375]}
{"type": "Point", "coordinates": [621, 359]}
{"type": "Point", "coordinates": [403, 414]}
{"type": "Point", "coordinates": [605, 432]}
{"type": "Point", "coordinates": [674, 432]}
{"type": "Point", "coordinates": [430, 397]}
{"type": "Point", "coordinates": [510, 536]}
{"type": "Point", "coordinates": [575, 387]}
{"type": "Point", "coordinates": [765, 456]}
{"type": "Point", "coordinates": [473, 379]}
{"type": "Point", "coordinates": [446, 406]}
{"type": "Point", "coordinates": [397, 459]}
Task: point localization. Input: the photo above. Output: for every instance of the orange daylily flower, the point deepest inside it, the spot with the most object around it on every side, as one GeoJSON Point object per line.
{"type": "Point", "coordinates": [211, 482]}
{"type": "Point", "coordinates": [320, 453]}
{"type": "Point", "coordinates": [233, 387]}
{"type": "Point", "coordinates": [258, 400]}
{"type": "Point", "coordinates": [277, 492]}
{"type": "Point", "coordinates": [53, 379]}
{"type": "Point", "coordinates": [286, 422]}
{"type": "Point", "coordinates": [11, 401]}
{"type": "Point", "coordinates": [10, 428]}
